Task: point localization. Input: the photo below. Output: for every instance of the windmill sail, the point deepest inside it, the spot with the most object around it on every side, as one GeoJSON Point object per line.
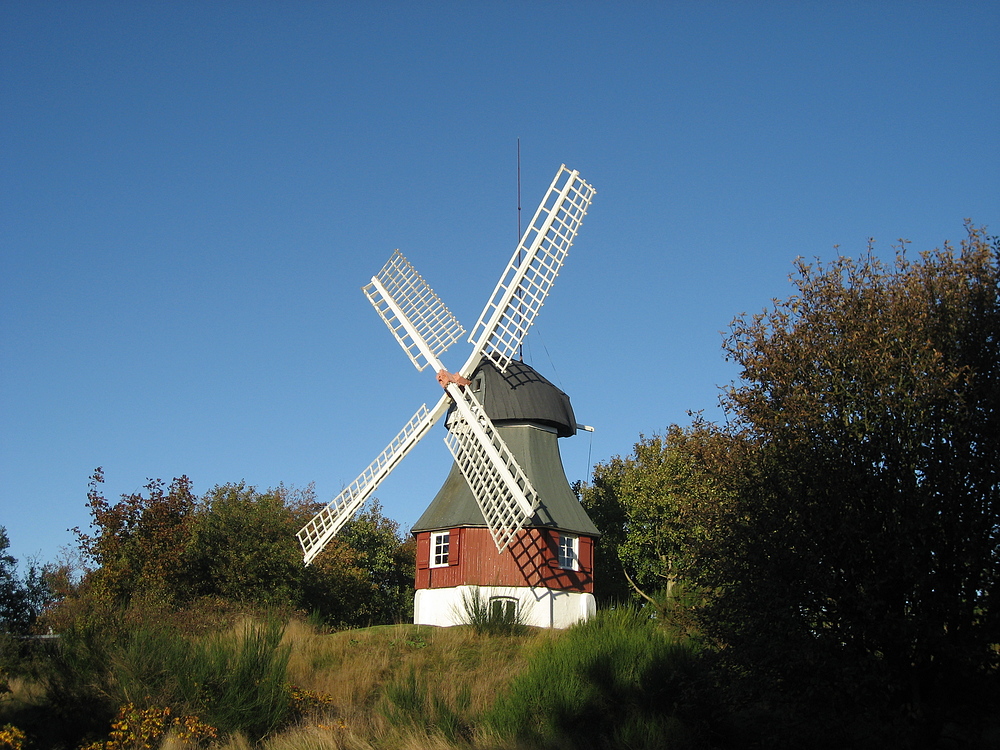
{"type": "Point", "coordinates": [425, 328]}
{"type": "Point", "coordinates": [501, 488]}
{"type": "Point", "coordinates": [412, 311]}
{"type": "Point", "coordinates": [499, 485]}
{"type": "Point", "coordinates": [315, 535]}
{"type": "Point", "coordinates": [532, 270]}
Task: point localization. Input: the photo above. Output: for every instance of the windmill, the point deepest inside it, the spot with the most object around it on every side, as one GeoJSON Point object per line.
{"type": "Point", "coordinates": [506, 500]}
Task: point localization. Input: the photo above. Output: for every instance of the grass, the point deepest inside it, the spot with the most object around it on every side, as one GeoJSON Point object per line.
{"type": "Point", "coordinates": [489, 617]}
{"type": "Point", "coordinates": [408, 687]}
{"type": "Point", "coordinates": [400, 685]}
{"type": "Point", "coordinates": [235, 679]}
{"type": "Point", "coordinates": [619, 677]}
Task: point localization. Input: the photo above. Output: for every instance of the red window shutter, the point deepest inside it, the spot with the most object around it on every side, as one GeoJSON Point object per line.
{"type": "Point", "coordinates": [423, 550]}
{"type": "Point", "coordinates": [454, 546]}
{"type": "Point", "coordinates": [554, 539]}
{"type": "Point", "coordinates": [586, 553]}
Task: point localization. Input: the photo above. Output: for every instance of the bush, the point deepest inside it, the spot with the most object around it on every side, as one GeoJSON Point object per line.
{"type": "Point", "coordinates": [234, 680]}
{"type": "Point", "coordinates": [616, 681]}
{"type": "Point", "coordinates": [239, 683]}
{"type": "Point", "coordinates": [415, 702]}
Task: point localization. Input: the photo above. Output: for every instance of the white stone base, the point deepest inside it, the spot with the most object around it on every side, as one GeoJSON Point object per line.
{"type": "Point", "coordinates": [543, 608]}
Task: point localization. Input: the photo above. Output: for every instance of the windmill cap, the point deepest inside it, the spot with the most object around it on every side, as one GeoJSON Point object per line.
{"type": "Point", "coordinates": [521, 395]}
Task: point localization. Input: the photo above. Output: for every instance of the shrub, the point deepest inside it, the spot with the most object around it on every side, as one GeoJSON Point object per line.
{"type": "Point", "coordinates": [617, 680]}
{"type": "Point", "coordinates": [135, 729]}
{"type": "Point", "coordinates": [11, 738]}
{"type": "Point", "coordinates": [235, 680]}
{"type": "Point", "coordinates": [414, 701]}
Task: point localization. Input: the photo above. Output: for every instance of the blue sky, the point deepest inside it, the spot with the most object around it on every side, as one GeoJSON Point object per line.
{"type": "Point", "coordinates": [192, 194]}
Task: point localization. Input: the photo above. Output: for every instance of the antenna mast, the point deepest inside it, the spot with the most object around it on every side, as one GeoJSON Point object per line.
{"type": "Point", "coordinates": [520, 347]}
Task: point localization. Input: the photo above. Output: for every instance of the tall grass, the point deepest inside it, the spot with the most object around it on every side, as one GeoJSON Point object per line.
{"type": "Point", "coordinates": [415, 700]}
{"type": "Point", "coordinates": [403, 686]}
{"type": "Point", "coordinates": [616, 681]}
{"type": "Point", "coordinates": [237, 681]}
{"type": "Point", "coordinates": [487, 618]}
{"type": "Point", "coordinates": [234, 680]}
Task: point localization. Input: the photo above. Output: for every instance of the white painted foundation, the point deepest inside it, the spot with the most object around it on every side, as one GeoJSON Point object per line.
{"type": "Point", "coordinates": [543, 608]}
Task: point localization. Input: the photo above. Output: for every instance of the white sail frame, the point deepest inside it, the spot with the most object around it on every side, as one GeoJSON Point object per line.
{"type": "Point", "coordinates": [533, 268]}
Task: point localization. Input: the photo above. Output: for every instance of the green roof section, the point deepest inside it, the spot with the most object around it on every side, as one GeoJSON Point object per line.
{"type": "Point", "coordinates": [537, 452]}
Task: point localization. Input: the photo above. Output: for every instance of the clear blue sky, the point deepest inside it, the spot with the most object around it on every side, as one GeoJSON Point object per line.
{"type": "Point", "coordinates": [191, 195]}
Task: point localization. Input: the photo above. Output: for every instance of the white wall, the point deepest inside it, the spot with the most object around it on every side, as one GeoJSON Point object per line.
{"type": "Point", "coordinates": [544, 608]}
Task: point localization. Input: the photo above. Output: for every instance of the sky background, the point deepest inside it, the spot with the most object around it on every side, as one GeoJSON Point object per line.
{"type": "Point", "coordinates": [192, 195]}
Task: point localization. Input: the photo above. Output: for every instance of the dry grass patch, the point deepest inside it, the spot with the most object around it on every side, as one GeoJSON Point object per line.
{"type": "Point", "coordinates": [396, 686]}
{"type": "Point", "coordinates": [21, 692]}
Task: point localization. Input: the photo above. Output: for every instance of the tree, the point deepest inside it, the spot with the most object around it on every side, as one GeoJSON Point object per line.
{"type": "Point", "coordinates": [13, 598]}
{"type": "Point", "coordinates": [866, 534]}
{"type": "Point", "coordinates": [655, 507]}
{"type": "Point", "coordinates": [389, 558]}
{"type": "Point", "coordinates": [138, 544]}
{"type": "Point", "coordinates": [364, 575]}
{"type": "Point", "coordinates": [166, 548]}
{"type": "Point", "coordinates": [22, 599]}
{"type": "Point", "coordinates": [243, 547]}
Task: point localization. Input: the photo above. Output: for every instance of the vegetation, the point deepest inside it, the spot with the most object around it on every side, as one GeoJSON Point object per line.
{"type": "Point", "coordinates": [621, 679]}
{"type": "Point", "coordinates": [497, 616]}
{"type": "Point", "coordinates": [838, 537]}
{"type": "Point", "coordinates": [167, 548]}
{"type": "Point", "coordinates": [233, 680]}
{"type": "Point", "coordinates": [22, 598]}
{"type": "Point", "coordinates": [158, 619]}
{"type": "Point", "coordinates": [618, 681]}
{"type": "Point", "coordinates": [820, 571]}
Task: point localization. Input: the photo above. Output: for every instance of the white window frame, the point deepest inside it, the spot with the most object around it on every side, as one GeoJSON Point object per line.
{"type": "Point", "coordinates": [440, 549]}
{"type": "Point", "coordinates": [569, 551]}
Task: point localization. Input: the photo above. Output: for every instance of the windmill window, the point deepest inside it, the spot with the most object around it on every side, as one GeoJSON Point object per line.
{"type": "Point", "coordinates": [503, 609]}
{"type": "Point", "coordinates": [569, 552]}
{"type": "Point", "coordinates": [440, 544]}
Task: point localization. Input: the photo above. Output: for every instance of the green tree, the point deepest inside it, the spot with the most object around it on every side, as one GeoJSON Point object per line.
{"type": "Point", "coordinates": [243, 547]}
{"type": "Point", "coordinates": [864, 547]}
{"type": "Point", "coordinates": [364, 576]}
{"type": "Point", "coordinates": [19, 598]}
{"type": "Point", "coordinates": [12, 597]}
{"type": "Point", "coordinates": [655, 507]}
{"type": "Point", "coordinates": [165, 548]}
{"type": "Point", "coordinates": [389, 558]}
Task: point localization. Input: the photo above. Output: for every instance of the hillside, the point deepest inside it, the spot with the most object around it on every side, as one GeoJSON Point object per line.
{"type": "Point", "coordinates": [403, 685]}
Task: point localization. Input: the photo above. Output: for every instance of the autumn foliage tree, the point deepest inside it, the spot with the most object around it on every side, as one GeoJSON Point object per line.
{"type": "Point", "coordinates": [138, 544]}
{"type": "Point", "coordinates": [168, 548]}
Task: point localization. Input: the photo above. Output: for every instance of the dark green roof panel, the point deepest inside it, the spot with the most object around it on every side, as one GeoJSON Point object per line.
{"type": "Point", "coordinates": [522, 395]}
